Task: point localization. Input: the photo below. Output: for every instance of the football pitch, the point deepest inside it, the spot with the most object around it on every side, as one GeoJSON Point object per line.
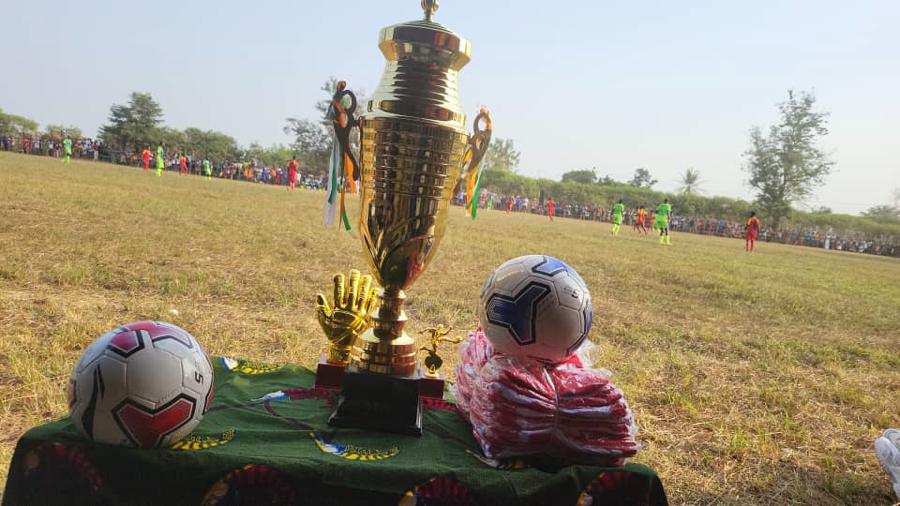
{"type": "Point", "coordinates": [754, 378]}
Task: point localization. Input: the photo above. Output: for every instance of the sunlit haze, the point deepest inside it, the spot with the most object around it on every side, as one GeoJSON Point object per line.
{"type": "Point", "coordinates": [659, 85]}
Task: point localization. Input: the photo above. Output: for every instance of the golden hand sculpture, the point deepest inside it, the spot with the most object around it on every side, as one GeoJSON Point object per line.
{"type": "Point", "coordinates": [348, 316]}
{"type": "Point", "coordinates": [437, 335]}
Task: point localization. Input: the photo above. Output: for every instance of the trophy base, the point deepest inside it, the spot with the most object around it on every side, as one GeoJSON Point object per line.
{"type": "Point", "coordinates": [431, 386]}
{"type": "Point", "coordinates": [378, 402]}
{"type": "Point", "coordinates": [329, 375]}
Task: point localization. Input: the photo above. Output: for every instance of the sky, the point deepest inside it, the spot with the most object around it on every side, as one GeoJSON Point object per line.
{"type": "Point", "coordinates": [575, 84]}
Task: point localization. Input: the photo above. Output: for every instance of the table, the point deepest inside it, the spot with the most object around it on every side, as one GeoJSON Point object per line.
{"type": "Point", "coordinates": [266, 440]}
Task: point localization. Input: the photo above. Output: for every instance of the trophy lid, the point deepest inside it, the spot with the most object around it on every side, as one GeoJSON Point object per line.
{"type": "Point", "coordinates": [425, 40]}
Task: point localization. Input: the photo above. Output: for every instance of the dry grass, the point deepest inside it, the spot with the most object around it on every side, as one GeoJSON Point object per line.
{"type": "Point", "coordinates": [754, 378]}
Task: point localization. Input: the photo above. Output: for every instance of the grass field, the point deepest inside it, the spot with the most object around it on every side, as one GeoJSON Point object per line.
{"type": "Point", "coordinates": [755, 379]}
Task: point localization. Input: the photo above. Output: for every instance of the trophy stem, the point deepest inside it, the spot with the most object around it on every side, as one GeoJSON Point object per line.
{"type": "Point", "coordinates": [378, 390]}
{"type": "Point", "coordinates": [386, 348]}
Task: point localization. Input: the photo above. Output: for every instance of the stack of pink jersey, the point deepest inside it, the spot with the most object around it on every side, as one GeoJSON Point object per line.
{"type": "Point", "coordinates": [565, 410]}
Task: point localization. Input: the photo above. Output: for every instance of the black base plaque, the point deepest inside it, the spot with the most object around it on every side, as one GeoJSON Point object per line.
{"type": "Point", "coordinates": [378, 402]}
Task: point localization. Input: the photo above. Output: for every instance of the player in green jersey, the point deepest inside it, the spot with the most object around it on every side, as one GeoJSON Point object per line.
{"type": "Point", "coordinates": [207, 169]}
{"type": "Point", "coordinates": [662, 221]}
{"type": "Point", "coordinates": [160, 160]}
{"type": "Point", "coordinates": [67, 147]}
{"type": "Point", "coordinates": [617, 213]}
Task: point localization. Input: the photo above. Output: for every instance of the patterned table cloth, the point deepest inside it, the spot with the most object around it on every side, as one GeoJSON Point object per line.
{"type": "Point", "coordinates": [266, 440]}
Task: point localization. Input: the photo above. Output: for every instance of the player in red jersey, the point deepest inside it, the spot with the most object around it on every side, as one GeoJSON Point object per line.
{"type": "Point", "coordinates": [292, 172]}
{"type": "Point", "coordinates": [182, 161]}
{"type": "Point", "coordinates": [640, 220]}
{"type": "Point", "coordinates": [145, 156]}
{"type": "Point", "coordinates": [751, 230]}
{"type": "Point", "coordinates": [551, 208]}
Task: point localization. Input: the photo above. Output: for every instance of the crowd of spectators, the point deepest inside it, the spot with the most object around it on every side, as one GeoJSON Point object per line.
{"type": "Point", "coordinates": [827, 238]}
{"type": "Point", "coordinates": [252, 171]}
{"type": "Point", "coordinates": [48, 146]}
{"type": "Point", "coordinates": [85, 148]}
{"type": "Point", "coordinates": [811, 236]}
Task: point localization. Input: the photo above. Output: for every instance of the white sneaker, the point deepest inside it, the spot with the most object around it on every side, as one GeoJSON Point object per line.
{"type": "Point", "coordinates": [887, 448]}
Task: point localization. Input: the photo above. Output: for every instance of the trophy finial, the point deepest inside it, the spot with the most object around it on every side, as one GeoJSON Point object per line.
{"type": "Point", "coordinates": [430, 7]}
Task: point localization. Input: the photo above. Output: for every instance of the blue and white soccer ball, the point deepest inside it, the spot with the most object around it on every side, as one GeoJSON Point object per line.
{"type": "Point", "coordinates": [535, 307]}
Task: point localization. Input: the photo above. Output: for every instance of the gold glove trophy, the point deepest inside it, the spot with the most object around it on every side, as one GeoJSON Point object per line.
{"type": "Point", "coordinates": [348, 316]}
{"type": "Point", "coordinates": [414, 146]}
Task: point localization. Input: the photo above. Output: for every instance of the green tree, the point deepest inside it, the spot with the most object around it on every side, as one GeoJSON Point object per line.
{"type": "Point", "coordinates": [216, 146]}
{"type": "Point", "coordinates": [584, 176]}
{"type": "Point", "coordinates": [60, 132]}
{"type": "Point", "coordinates": [608, 181]}
{"type": "Point", "coordinates": [642, 179]}
{"type": "Point", "coordinates": [175, 140]}
{"type": "Point", "coordinates": [786, 165]}
{"type": "Point", "coordinates": [311, 142]}
{"type": "Point", "coordinates": [883, 214]}
{"type": "Point", "coordinates": [501, 156]}
{"type": "Point", "coordinates": [690, 182]}
{"type": "Point", "coordinates": [135, 125]}
{"type": "Point", "coordinates": [12, 124]}
{"type": "Point", "coordinates": [328, 87]}
{"type": "Point", "coordinates": [276, 155]}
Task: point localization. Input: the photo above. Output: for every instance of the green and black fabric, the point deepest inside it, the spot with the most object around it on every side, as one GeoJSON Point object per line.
{"type": "Point", "coordinates": [266, 440]}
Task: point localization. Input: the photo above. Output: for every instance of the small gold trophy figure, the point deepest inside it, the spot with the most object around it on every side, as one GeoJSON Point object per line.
{"type": "Point", "coordinates": [437, 335]}
{"type": "Point", "coordinates": [431, 384]}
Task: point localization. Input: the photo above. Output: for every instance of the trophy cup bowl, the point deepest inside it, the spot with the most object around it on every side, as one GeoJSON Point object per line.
{"type": "Point", "coordinates": [414, 146]}
{"type": "Point", "coordinates": [410, 169]}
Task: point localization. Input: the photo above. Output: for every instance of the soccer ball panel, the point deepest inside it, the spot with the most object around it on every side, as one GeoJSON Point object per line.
{"type": "Point", "coordinates": [570, 292]}
{"type": "Point", "coordinates": [547, 266]}
{"type": "Point", "coordinates": [159, 426]}
{"type": "Point", "coordinates": [176, 345]}
{"type": "Point", "coordinates": [95, 390]}
{"type": "Point", "coordinates": [154, 375]}
{"type": "Point", "coordinates": [508, 277]}
{"type": "Point", "coordinates": [94, 351]}
{"type": "Point", "coordinates": [558, 330]}
{"type": "Point", "coordinates": [196, 374]}
{"type": "Point", "coordinates": [170, 337]}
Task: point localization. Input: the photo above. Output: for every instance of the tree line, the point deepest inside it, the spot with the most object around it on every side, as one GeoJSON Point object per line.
{"type": "Point", "coordinates": [784, 164]}
{"type": "Point", "coordinates": [15, 125]}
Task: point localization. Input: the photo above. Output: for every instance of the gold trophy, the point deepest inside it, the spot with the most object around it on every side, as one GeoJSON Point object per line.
{"type": "Point", "coordinates": [414, 146]}
{"type": "Point", "coordinates": [431, 384]}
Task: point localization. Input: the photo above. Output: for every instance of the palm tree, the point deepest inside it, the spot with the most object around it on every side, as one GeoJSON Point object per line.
{"type": "Point", "coordinates": [690, 182]}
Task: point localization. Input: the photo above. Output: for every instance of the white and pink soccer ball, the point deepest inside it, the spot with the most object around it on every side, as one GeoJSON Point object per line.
{"type": "Point", "coordinates": [535, 307]}
{"type": "Point", "coordinates": [144, 384]}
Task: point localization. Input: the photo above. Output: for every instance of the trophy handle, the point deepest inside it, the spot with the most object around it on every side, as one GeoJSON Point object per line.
{"type": "Point", "coordinates": [344, 120]}
{"type": "Point", "coordinates": [479, 140]}
{"type": "Point", "coordinates": [475, 151]}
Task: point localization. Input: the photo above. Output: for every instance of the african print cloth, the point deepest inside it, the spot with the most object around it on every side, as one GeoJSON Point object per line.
{"type": "Point", "coordinates": [266, 440]}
